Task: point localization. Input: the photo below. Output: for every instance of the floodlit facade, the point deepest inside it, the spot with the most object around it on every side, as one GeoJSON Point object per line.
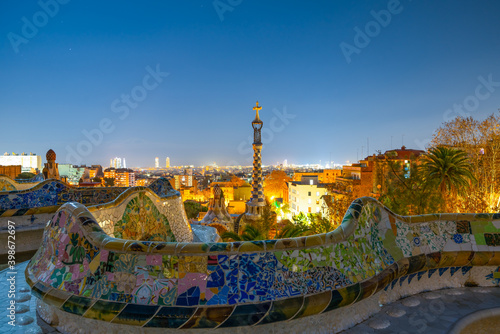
{"type": "Point", "coordinates": [305, 196]}
{"type": "Point", "coordinates": [28, 162]}
{"type": "Point", "coordinates": [73, 174]}
{"type": "Point", "coordinates": [123, 177]}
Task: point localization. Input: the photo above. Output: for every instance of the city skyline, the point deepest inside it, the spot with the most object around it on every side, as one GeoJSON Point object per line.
{"type": "Point", "coordinates": [332, 79]}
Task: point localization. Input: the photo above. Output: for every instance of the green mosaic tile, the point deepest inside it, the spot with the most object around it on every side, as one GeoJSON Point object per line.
{"type": "Point", "coordinates": [343, 297]}
{"type": "Point", "coordinates": [135, 315]}
{"type": "Point", "coordinates": [39, 290]}
{"type": "Point", "coordinates": [77, 305]}
{"type": "Point", "coordinates": [171, 317]}
{"type": "Point", "coordinates": [56, 297]}
{"type": "Point", "coordinates": [246, 315]}
{"type": "Point", "coordinates": [368, 288]}
{"type": "Point", "coordinates": [209, 317]}
{"type": "Point", "coordinates": [104, 310]}
{"type": "Point", "coordinates": [480, 240]}
{"type": "Point", "coordinates": [417, 263]}
{"type": "Point", "coordinates": [314, 304]}
{"type": "Point", "coordinates": [282, 310]}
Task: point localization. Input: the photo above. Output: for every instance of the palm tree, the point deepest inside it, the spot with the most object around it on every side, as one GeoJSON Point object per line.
{"type": "Point", "coordinates": [291, 231]}
{"type": "Point", "coordinates": [249, 233]}
{"type": "Point", "coordinates": [267, 221]}
{"type": "Point", "coordinates": [449, 169]}
{"type": "Point", "coordinates": [300, 219]}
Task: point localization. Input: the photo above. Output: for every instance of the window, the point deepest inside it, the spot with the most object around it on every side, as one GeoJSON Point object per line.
{"type": "Point", "coordinates": [309, 209]}
{"type": "Point", "coordinates": [309, 201]}
{"type": "Point", "coordinates": [309, 193]}
{"type": "Point", "coordinates": [317, 193]}
{"type": "Point", "coordinates": [317, 209]}
{"type": "Point", "coordinates": [311, 182]}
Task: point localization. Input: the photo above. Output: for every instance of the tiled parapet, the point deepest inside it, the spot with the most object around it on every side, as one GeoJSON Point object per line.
{"type": "Point", "coordinates": [81, 270]}
{"type": "Point", "coordinates": [9, 184]}
{"type": "Point", "coordinates": [54, 192]}
{"type": "Point", "coordinates": [47, 196]}
{"type": "Point", "coordinates": [141, 214]}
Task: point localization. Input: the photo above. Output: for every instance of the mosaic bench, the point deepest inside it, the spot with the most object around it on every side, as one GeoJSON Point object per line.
{"type": "Point", "coordinates": [9, 184]}
{"type": "Point", "coordinates": [86, 280]}
{"type": "Point", "coordinates": [30, 209]}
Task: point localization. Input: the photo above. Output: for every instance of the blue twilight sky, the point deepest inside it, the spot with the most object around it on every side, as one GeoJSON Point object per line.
{"type": "Point", "coordinates": [326, 73]}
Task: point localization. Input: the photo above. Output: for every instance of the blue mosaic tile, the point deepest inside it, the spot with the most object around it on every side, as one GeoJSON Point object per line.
{"type": "Point", "coordinates": [443, 270]}
{"type": "Point", "coordinates": [411, 276]}
{"type": "Point", "coordinates": [453, 270]}
{"type": "Point", "coordinates": [431, 272]}
{"type": "Point", "coordinates": [466, 269]}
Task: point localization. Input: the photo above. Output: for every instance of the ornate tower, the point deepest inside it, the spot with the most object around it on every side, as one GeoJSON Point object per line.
{"type": "Point", "coordinates": [51, 169]}
{"type": "Point", "coordinates": [217, 215]}
{"type": "Point", "coordinates": [257, 202]}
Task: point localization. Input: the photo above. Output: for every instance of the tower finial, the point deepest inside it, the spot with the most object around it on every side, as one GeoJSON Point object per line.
{"type": "Point", "coordinates": [257, 108]}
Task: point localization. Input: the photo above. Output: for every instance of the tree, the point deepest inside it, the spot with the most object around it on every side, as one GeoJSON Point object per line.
{"type": "Point", "coordinates": [409, 193]}
{"type": "Point", "coordinates": [300, 220]}
{"type": "Point", "coordinates": [292, 231]}
{"type": "Point", "coordinates": [97, 179]}
{"type": "Point", "coordinates": [25, 176]}
{"type": "Point", "coordinates": [109, 182]}
{"type": "Point", "coordinates": [236, 181]}
{"type": "Point", "coordinates": [481, 141]}
{"type": "Point", "coordinates": [249, 233]}
{"type": "Point", "coordinates": [319, 224]}
{"type": "Point", "coordinates": [192, 209]}
{"type": "Point", "coordinates": [267, 221]}
{"type": "Point", "coordinates": [450, 170]}
{"type": "Point", "coordinates": [275, 184]}
{"type": "Point", "coordinates": [341, 199]}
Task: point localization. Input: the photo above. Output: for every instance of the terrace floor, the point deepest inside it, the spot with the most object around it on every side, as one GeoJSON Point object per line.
{"type": "Point", "coordinates": [428, 312]}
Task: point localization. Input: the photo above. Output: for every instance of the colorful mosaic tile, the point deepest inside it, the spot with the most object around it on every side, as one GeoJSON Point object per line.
{"type": "Point", "coordinates": [197, 285]}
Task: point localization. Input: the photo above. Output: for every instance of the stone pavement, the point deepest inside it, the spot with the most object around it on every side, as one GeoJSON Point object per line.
{"type": "Point", "coordinates": [428, 312]}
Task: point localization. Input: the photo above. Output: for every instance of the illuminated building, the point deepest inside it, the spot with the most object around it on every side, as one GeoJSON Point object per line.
{"type": "Point", "coordinates": [109, 173]}
{"type": "Point", "coordinates": [71, 173]}
{"type": "Point", "coordinates": [123, 177]}
{"type": "Point", "coordinates": [117, 163]}
{"type": "Point", "coordinates": [305, 195]}
{"type": "Point", "coordinates": [167, 162]}
{"type": "Point", "coordinates": [184, 180]}
{"type": "Point", "coordinates": [324, 176]}
{"type": "Point", "coordinates": [157, 162]}
{"type": "Point", "coordinates": [28, 163]}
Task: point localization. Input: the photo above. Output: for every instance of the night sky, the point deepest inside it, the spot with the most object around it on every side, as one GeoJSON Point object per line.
{"type": "Point", "coordinates": [179, 78]}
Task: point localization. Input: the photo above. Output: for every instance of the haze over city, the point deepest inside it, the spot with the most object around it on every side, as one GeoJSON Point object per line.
{"type": "Point", "coordinates": [330, 77]}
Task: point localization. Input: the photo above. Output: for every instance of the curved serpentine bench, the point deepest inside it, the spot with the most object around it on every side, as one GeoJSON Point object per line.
{"type": "Point", "coordinates": [30, 209]}
{"type": "Point", "coordinates": [88, 281]}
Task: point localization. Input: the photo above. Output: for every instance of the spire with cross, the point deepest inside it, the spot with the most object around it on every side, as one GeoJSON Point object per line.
{"type": "Point", "coordinates": [257, 108]}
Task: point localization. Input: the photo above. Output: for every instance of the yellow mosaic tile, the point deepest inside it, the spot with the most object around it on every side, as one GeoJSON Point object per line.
{"type": "Point", "coordinates": [313, 240]}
